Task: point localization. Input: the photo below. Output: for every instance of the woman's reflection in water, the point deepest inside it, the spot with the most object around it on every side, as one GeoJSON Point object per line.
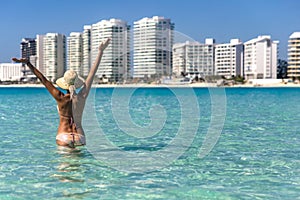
{"type": "Point", "coordinates": [69, 168]}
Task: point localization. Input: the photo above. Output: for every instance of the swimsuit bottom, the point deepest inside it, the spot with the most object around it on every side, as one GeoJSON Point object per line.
{"type": "Point", "coordinates": [71, 139]}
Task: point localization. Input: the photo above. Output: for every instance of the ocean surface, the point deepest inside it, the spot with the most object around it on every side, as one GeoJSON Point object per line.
{"type": "Point", "coordinates": [154, 143]}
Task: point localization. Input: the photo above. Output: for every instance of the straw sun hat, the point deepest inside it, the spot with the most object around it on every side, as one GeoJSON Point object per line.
{"type": "Point", "coordinates": [70, 78]}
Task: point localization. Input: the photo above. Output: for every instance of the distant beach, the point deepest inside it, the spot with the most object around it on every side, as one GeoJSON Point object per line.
{"type": "Point", "coordinates": [196, 85]}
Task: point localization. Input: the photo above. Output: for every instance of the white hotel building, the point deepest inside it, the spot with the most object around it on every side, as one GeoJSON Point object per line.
{"type": "Point", "coordinates": [260, 58]}
{"type": "Point", "coordinates": [229, 58]}
{"type": "Point", "coordinates": [294, 55]}
{"type": "Point", "coordinates": [193, 58]}
{"type": "Point", "coordinates": [86, 50]}
{"type": "Point", "coordinates": [115, 63]}
{"type": "Point", "coordinates": [74, 52]}
{"type": "Point", "coordinates": [152, 47]}
{"type": "Point", "coordinates": [10, 71]}
{"type": "Point", "coordinates": [54, 50]}
{"type": "Point", "coordinates": [40, 53]}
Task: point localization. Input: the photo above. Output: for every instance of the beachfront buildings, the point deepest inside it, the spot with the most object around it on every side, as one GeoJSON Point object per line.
{"type": "Point", "coordinates": [229, 58]}
{"type": "Point", "coordinates": [79, 51]}
{"type": "Point", "coordinates": [294, 55]}
{"type": "Point", "coordinates": [40, 53]}
{"type": "Point", "coordinates": [74, 52]}
{"type": "Point", "coordinates": [83, 48]}
{"type": "Point", "coordinates": [54, 50]}
{"type": "Point", "coordinates": [152, 47]}
{"type": "Point", "coordinates": [28, 47]}
{"type": "Point", "coordinates": [28, 51]}
{"type": "Point", "coordinates": [194, 58]}
{"type": "Point", "coordinates": [86, 50]}
{"type": "Point", "coordinates": [10, 71]}
{"type": "Point", "coordinates": [115, 63]}
{"type": "Point", "coordinates": [47, 53]}
{"type": "Point", "coordinates": [260, 58]}
{"type": "Point", "coordinates": [155, 54]}
{"type": "Point", "coordinates": [179, 61]}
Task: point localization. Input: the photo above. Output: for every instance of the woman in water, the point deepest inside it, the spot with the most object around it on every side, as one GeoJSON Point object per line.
{"type": "Point", "coordinates": [70, 105]}
{"type": "Point", "coordinates": [80, 98]}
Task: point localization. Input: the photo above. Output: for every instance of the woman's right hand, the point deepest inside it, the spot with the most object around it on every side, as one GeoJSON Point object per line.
{"type": "Point", "coordinates": [21, 60]}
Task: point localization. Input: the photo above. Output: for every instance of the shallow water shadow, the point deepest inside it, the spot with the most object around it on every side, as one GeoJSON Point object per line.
{"type": "Point", "coordinates": [69, 168]}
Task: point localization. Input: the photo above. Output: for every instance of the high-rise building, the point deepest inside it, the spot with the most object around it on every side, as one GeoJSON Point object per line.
{"type": "Point", "coordinates": [294, 55]}
{"type": "Point", "coordinates": [260, 58]}
{"type": "Point", "coordinates": [229, 58]}
{"type": "Point", "coordinates": [86, 50]}
{"type": "Point", "coordinates": [152, 47]}
{"type": "Point", "coordinates": [28, 49]}
{"type": "Point", "coordinates": [54, 48]}
{"type": "Point", "coordinates": [115, 62]}
{"type": "Point", "coordinates": [194, 58]}
{"type": "Point", "coordinates": [40, 53]}
{"type": "Point", "coordinates": [74, 52]}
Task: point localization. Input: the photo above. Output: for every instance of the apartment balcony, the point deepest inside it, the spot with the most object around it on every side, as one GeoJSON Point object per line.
{"type": "Point", "coordinates": [294, 42]}
{"type": "Point", "coordinates": [294, 62]}
{"type": "Point", "coordinates": [293, 49]}
{"type": "Point", "coordinates": [294, 70]}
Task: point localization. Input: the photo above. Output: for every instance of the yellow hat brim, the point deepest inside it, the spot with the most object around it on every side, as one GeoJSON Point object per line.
{"type": "Point", "coordinates": [63, 85]}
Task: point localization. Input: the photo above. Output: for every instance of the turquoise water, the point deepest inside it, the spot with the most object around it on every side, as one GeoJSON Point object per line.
{"type": "Point", "coordinates": [255, 157]}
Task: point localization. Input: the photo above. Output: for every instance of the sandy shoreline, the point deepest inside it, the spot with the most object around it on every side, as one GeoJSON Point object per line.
{"type": "Point", "coordinates": [193, 85]}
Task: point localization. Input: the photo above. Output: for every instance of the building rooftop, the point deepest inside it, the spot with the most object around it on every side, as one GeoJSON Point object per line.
{"type": "Point", "coordinates": [295, 35]}
{"type": "Point", "coordinates": [258, 39]}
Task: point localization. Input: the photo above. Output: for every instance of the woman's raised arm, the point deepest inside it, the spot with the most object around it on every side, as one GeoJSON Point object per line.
{"type": "Point", "coordinates": [89, 80]}
{"type": "Point", "coordinates": [57, 94]}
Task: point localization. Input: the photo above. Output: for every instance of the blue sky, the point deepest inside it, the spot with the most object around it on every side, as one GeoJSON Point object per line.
{"type": "Point", "coordinates": [198, 19]}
